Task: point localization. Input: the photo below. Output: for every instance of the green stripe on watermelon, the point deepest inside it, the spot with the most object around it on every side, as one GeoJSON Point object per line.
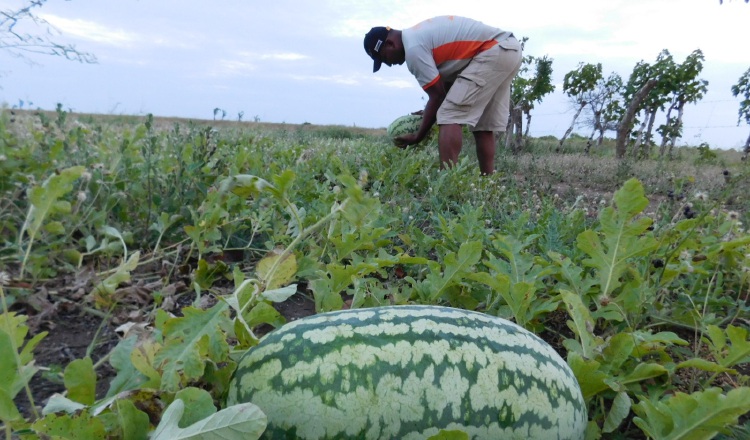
{"type": "Point", "coordinates": [396, 372]}
{"type": "Point", "coordinates": [404, 125]}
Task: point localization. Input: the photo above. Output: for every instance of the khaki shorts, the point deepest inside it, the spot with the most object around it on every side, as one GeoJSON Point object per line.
{"type": "Point", "coordinates": [480, 96]}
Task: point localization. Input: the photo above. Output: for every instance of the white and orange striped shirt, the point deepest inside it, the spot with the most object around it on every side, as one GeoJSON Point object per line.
{"type": "Point", "coordinates": [444, 46]}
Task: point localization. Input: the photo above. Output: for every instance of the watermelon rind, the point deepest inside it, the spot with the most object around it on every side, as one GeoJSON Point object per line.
{"type": "Point", "coordinates": [407, 372]}
{"type": "Point", "coordinates": [404, 125]}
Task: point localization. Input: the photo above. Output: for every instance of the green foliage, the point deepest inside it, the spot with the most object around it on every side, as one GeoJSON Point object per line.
{"type": "Point", "coordinates": [700, 415]}
{"type": "Point", "coordinates": [238, 422]}
{"type": "Point", "coordinates": [644, 303]}
{"type": "Point", "coordinates": [742, 90]}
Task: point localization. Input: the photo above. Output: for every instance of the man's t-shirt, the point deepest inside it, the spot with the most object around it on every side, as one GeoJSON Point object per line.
{"type": "Point", "coordinates": [444, 46]}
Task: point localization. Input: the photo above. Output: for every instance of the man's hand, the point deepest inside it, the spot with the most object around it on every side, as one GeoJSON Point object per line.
{"type": "Point", "coordinates": [406, 140]}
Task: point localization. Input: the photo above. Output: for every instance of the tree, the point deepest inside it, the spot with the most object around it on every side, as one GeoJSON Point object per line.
{"type": "Point", "coordinates": [685, 88]}
{"type": "Point", "coordinates": [526, 91]}
{"type": "Point", "coordinates": [654, 101]}
{"type": "Point", "coordinates": [742, 89]}
{"type": "Point", "coordinates": [20, 43]}
{"type": "Point", "coordinates": [625, 126]}
{"type": "Point", "coordinates": [604, 107]}
{"type": "Point", "coordinates": [578, 84]}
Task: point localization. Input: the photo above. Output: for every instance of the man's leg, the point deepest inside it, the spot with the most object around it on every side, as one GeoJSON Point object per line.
{"type": "Point", "coordinates": [449, 144]}
{"type": "Point", "coordinates": [485, 151]}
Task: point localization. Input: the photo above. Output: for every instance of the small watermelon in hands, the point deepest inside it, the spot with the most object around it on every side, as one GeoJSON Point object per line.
{"type": "Point", "coordinates": [404, 125]}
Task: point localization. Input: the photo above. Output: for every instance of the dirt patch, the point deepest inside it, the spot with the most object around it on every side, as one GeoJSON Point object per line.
{"type": "Point", "coordinates": [76, 330]}
{"type": "Point", "coordinates": [72, 334]}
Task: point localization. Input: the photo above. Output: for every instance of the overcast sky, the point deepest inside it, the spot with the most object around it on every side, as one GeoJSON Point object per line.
{"type": "Point", "coordinates": [303, 61]}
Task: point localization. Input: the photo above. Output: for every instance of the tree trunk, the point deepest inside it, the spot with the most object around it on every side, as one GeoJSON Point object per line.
{"type": "Point", "coordinates": [518, 122]}
{"type": "Point", "coordinates": [747, 149]}
{"type": "Point", "coordinates": [570, 129]}
{"type": "Point", "coordinates": [528, 124]}
{"type": "Point", "coordinates": [509, 129]}
{"type": "Point", "coordinates": [667, 133]}
{"type": "Point", "coordinates": [678, 128]}
{"type": "Point", "coordinates": [639, 139]}
{"type": "Point", "coordinates": [590, 140]}
{"type": "Point", "coordinates": [646, 145]}
{"type": "Point", "coordinates": [626, 123]}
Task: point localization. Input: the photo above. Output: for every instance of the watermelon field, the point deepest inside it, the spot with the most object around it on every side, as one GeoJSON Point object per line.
{"type": "Point", "coordinates": [142, 257]}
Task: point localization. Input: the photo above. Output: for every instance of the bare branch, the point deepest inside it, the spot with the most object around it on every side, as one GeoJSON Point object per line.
{"type": "Point", "coordinates": [20, 44]}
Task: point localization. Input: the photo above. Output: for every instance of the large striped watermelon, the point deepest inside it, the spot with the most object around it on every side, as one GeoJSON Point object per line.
{"type": "Point", "coordinates": [406, 372]}
{"type": "Point", "coordinates": [404, 125]}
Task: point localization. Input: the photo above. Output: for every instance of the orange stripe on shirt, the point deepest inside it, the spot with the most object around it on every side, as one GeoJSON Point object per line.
{"type": "Point", "coordinates": [460, 50]}
{"type": "Point", "coordinates": [431, 83]}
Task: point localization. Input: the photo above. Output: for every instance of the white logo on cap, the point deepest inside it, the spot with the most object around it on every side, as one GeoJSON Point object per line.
{"type": "Point", "coordinates": [377, 45]}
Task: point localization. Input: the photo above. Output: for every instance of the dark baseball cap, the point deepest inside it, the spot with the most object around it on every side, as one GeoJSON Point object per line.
{"type": "Point", "coordinates": [373, 42]}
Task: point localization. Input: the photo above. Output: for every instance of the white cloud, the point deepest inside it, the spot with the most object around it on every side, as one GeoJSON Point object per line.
{"type": "Point", "coordinates": [244, 63]}
{"type": "Point", "coordinates": [337, 79]}
{"type": "Point", "coordinates": [89, 30]}
{"type": "Point", "coordinates": [284, 56]}
{"type": "Point", "coordinates": [397, 83]}
{"type": "Point", "coordinates": [225, 68]}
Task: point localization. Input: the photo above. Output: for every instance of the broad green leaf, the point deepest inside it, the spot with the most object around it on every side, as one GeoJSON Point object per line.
{"type": "Point", "coordinates": [643, 371]}
{"type": "Point", "coordinates": [70, 426]}
{"type": "Point", "coordinates": [104, 290]}
{"type": "Point", "coordinates": [133, 422]}
{"type": "Point", "coordinates": [577, 280]}
{"type": "Point", "coordinates": [593, 431]}
{"type": "Point", "coordinates": [143, 358]}
{"type": "Point", "coordinates": [44, 198]}
{"type": "Point", "coordinates": [617, 413]}
{"type": "Point", "coordinates": [244, 185]}
{"type": "Point", "coordinates": [284, 268]}
{"type": "Point", "coordinates": [189, 341]}
{"type": "Point", "coordinates": [198, 405]}
{"type": "Point", "coordinates": [207, 273]}
{"type": "Point", "coordinates": [455, 267]}
{"type": "Point", "coordinates": [280, 294]}
{"type": "Point", "coordinates": [696, 416]}
{"type": "Point", "coordinates": [238, 422]}
{"type": "Point", "coordinates": [624, 237]}
{"type": "Point", "coordinates": [617, 350]}
{"type": "Point", "coordinates": [59, 403]}
{"type": "Point", "coordinates": [8, 410]}
{"type": "Point", "coordinates": [327, 298]}
{"type": "Point", "coordinates": [737, 351]}
{"type": "Point", "coordinates": [264, 313]}
{"type": "Point", "coordinates": [449, 435]}
{"type": "Point", "coordinates": [128, 377]}
{"type": "Point", "coordinates": [361, 213]}
{"type": "Point", "coordinates": [80, 381]}
{"type": "Point", "coordinates": [583, 324]}
{"type": "Point", "coordinates": [13, 331]}
{"type": "Point", "coordinates": [705, 365]}
{"type": "Point", "coordinates": [588, 374]}
{"type": "Point", "coordinates": [55, 228]}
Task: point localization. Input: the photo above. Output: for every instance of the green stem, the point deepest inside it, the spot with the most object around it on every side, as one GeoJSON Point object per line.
{"type": "Point", "coordinates": [304, 233]}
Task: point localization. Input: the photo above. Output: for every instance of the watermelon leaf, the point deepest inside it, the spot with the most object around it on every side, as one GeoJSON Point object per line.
{"type": "Point", "coordinates": [456, 267]}
{"type": "Point", "coordinates": [736, 352]}
{"type": "Point", "coordinates": [617, 413]}
{"type": "Point", "coordinates": [624, 237]}
{"type": "Point", "coordinates": [70, 426]}
{"type": "Point", "coordinates": [80, 381]}
{"type": "Point", "coordinates": [188, 341]}
{"type": "Point", "coordinates": [700, 415]}
{"type": "Point", "coordinates": [582, 324]}
{"type": "Point", "coordinates": [243, 421]}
